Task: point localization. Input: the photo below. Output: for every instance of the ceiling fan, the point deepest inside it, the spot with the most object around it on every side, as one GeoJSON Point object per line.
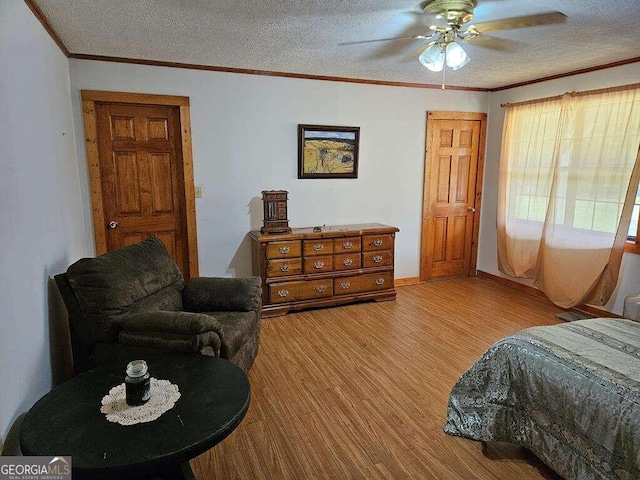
{"type": "Point", "coordinates": [451, 17]}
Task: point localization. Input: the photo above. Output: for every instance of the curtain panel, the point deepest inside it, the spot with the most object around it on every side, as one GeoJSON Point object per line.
{"type": "Point", "coordinates": [569, 172]}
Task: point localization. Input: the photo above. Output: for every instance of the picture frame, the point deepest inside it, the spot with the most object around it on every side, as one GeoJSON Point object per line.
{"type": "Point", "coordinates": [326, 151]}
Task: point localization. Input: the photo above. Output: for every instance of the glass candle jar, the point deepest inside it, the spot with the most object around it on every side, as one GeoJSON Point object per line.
{"type": "Point", "coordinates": [137, 383]}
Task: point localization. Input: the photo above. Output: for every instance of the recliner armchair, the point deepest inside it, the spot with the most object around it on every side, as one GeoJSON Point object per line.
{"type": "Point", "coordinates": [133, 303]}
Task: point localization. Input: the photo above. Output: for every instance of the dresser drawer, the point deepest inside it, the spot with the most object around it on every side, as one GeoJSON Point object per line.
{"type": "Point", "coordinates": [348, 244]}
{"type": "Point", "coordinates": [362, 283]}
{"type": "Point", "coordinates": [317, 289]}
{"type": "Point", "coordinates": [284, 267]}
{"type": "Point", "coordinates": [318, 264]}
{"type": "Point", "coordinates": [284, 249]}
{"type": "Point", "coordinates": [285, 292]}
{"type": "Point", "coordinates": [296, 291]}
{"type": "Point", "coordinates": [346, 261]}
{"type": "Point", "coordinates": [381, 258]}
{"type": "Point", "coordinates": [317, 247]}
{"type": "Point", "coordinates": [377, 242]}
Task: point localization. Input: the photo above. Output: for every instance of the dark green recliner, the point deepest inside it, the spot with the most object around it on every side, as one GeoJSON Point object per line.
{"type": "Point", "coordinates": [133, 303]}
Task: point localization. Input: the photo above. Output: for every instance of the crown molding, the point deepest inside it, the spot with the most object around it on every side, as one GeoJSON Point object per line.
{"type": "Point", "coordinates": [47, 26]}
{"type": "Point", "coordinates": [567, 74]}
{"type": "Point", "coordinates": [268, 73]}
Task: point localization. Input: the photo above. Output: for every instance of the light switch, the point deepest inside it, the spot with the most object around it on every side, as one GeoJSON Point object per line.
{"type": "Point", "coordinates": [198, 191]}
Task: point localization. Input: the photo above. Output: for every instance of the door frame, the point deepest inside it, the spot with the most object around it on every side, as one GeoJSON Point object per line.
{"type": "Point", "coordinates": [426, 201]}
{"type": "Point", "coordinates": [89, 100]}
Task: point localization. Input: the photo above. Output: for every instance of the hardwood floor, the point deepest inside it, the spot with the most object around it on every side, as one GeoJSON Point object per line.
{"type": "Point", "coordinates": [360, 391]}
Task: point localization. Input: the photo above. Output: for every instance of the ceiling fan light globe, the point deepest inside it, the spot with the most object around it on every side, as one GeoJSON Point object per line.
{"type": "Point", "coordinates": [456, 56]}
{"type": "Point", "coordinates": [467, 60]}
{"type": "Point", "coordinates": [433, 58]}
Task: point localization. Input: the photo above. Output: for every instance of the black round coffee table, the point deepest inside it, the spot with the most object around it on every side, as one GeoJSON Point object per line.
{"type": "Point", "coordinates": [215, 397]}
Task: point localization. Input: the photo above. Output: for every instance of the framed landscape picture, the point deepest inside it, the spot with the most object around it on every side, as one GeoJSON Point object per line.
{"type": "Point", "coordinates": [328, 152]}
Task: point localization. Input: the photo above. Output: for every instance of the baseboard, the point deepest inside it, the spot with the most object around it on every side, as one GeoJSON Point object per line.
{"type": "Point", "coordinates": [595, 311]}
{"type": "Point", "coordinates": [401, 282]}
{"type": "Point", "coordinates": [507, 282]}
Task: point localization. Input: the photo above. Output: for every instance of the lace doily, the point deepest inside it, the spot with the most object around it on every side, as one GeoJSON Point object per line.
{"type": "Point", "coordinates": [164, 395]}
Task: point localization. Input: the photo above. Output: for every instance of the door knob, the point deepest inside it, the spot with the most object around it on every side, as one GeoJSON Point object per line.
{"type": "Point", "coordinates": [471, 209]}
{"type": "Point", "coordinates": [113, 224]}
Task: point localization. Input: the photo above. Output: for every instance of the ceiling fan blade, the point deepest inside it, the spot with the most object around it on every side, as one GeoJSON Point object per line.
{"type": "Point", "coordinates": [548, 18]}
{"type": "Point", "coordinates": [411, 37]}
{"type": "Point", "coordinates": [495, 43]}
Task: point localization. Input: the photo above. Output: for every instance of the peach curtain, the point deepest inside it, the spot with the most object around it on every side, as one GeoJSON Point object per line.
{"type": "Point", "coordinates": [569, 172]}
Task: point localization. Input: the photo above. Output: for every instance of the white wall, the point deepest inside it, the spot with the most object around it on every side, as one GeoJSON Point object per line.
{"type": "Point", "coordinates": [487, 254]}
{"type": "Point", "coordinates": [245, 141]}
{"type": "Point", "coordinates": [42, 228]}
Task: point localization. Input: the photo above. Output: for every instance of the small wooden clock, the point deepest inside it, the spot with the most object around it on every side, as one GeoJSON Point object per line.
{"type": "Point", "coordinates": [275, 211]}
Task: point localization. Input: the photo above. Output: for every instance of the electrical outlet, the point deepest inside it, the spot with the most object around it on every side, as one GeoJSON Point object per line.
{"type": "Point", "coordinates": [198, 191]}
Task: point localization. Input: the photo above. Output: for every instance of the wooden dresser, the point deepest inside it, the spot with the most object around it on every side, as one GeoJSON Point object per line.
{"type": "Point", "coordinates": [341, 264]}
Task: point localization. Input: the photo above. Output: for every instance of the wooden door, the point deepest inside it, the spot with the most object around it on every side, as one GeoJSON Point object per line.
{"type": "Point", "coordinates": [452, 194]}
{"type": "Point", "coordinates": [141, 178]}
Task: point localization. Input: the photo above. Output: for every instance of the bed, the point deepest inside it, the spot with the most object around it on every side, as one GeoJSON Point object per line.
{"type": "Point", "coordinates": [570, 393]}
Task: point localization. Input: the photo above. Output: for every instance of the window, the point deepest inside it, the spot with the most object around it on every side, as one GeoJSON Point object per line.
{"type": "Point", "coordinates": [567, 167]}
{"type": "Point", "coordinates": [590, 178]}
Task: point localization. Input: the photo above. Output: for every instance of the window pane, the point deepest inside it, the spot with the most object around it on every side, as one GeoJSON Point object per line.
{"type": "Point", "coordinates": [633, 226]}
{"type": "Point", "coordinates": [522, 207]}
{"type": "Point", "coordinates": [606, 216]}
{"type": "Point", "coordinates": [538, 209]}
{"type": "Point", "coordinates": [583, 216]}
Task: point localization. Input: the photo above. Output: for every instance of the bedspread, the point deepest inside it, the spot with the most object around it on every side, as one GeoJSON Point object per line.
{"type": "Point", "coordinates": [570, 393]}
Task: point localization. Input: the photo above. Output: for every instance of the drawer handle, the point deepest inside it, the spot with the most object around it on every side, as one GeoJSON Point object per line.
{"type": "Point", "coordinates": [284, 268]}
{"type": "Point", "coordinates": [321, 288]}
{"type": "Point", "coordinates": [347, 245]}
{"type": "Point", "coordinates": [377, 242]}
{"type": "Point", "coordinates": [347, 262]}
{"type": "Point", "coordinates": [318, 247]}
{"type": "Point", "coordinates": [379, 281]}
{"type": "Point", "coordinates": [318, 264]}
{"type": "Point", "coordinates": [283, 293]}
{"type": "Point", "coordinates": [377, 258]}
{"type": "Point", "coordinates": [345, 285]}
{"type": "Point", "coordinates": [284, 250]}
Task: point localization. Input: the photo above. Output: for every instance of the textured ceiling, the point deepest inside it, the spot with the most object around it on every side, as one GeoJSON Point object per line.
{"type": "Point", "coordinates": [297, 36]}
